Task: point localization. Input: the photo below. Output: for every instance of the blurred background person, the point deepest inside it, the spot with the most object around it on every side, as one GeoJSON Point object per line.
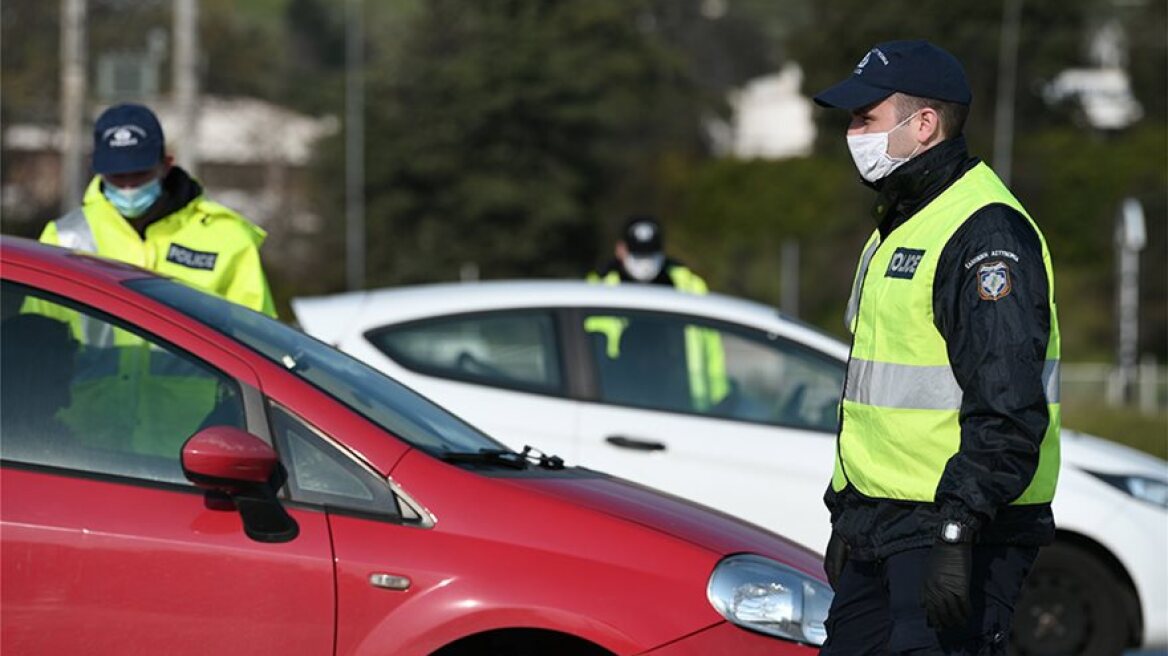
{"type": "Point", "coordinates": [640, 257]}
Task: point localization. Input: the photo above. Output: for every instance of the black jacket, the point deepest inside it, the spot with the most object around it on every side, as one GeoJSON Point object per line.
{"type": "Point", "coordinates": [997, 349]}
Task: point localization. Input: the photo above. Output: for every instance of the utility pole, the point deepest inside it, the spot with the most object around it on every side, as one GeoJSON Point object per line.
{"type": "Point", "coordinates": [73, 64]}
{"type": "Point", "coordinates": [1130, 239]}
{"type": "Point", "coordinates": [1007, 83]}
{"type": "Point", "coordinates": [354, 147]}
{"type": "Point", "coordinates": [186, 83]}
{"type": "Point", "coordinates": [789, 290]}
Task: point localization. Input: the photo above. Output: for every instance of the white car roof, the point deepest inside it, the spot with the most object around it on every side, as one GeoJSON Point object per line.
{"type": "Point", "coordinates": [337, 318]}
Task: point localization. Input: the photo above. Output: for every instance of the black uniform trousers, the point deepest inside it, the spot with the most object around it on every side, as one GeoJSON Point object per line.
{"type": "Point", "coordinates": [877, 606]}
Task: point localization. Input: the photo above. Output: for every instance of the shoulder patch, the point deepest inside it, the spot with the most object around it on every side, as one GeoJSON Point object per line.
{"type": "Point", "coordinates": [993, 281]}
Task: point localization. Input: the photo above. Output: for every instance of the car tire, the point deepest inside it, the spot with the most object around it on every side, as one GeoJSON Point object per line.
{"type": "Point", "coordinates": [522, 642]}
{"type": "Point", "coordinates": [1071, 603]}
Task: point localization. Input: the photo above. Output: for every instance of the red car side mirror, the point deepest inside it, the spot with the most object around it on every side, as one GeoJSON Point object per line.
{"type": "Point", "coordinates": [231, 463]}
{"type": "Point", "coordinates": [228, 459]}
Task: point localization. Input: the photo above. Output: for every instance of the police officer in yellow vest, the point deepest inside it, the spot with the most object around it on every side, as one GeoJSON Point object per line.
{"type": "Point", "coordinates": [640, 258]}
{"type": "Point", "coordinates": [142, 209]}
{"type": "Point", "coordinates": [947, 454]}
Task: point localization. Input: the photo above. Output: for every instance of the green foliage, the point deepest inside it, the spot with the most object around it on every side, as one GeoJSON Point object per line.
{"type": "Point", "coordinates": [753, 207]}
{"type": "Point", "coordinates": [491, 139]}
{"type": "Point", "coordinates": [29, 68]}
{"type": "Point", "coordinates": [1073, 182]}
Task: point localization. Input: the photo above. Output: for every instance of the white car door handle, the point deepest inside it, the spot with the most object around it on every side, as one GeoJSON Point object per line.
{"type": "Point", "coordinates": [634, 444]}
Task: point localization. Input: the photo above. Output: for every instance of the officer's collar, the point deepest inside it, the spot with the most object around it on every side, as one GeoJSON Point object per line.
{"type": "Point", "coordinates": [178, 190]}
{"type": "Point", "coordinates": [919, 181]}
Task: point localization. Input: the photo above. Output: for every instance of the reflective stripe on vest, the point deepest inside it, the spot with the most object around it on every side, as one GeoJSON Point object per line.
{"type": "Point", "coordinates": [914, 387]}
{"type": "Point", "coordinates": [73, 232]}
{"type": "Point", "coordinates": [854, 300]}
{"type": "Point", "coordinates": [900, 415]}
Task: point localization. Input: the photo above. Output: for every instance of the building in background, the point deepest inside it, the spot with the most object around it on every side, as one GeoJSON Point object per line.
{"type": "Point", "coordinates": [772, 119]}
{"type": "Point", "coordinates": [254, 157]}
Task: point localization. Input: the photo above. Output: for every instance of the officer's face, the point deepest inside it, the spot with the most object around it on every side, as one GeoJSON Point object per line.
{"type": "Point", "coordinates": [905, 137]}
{"type": "Point", "coordinates": [880, 117]}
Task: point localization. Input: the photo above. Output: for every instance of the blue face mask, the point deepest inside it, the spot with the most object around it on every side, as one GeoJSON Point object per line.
{"type": "Point", "coordinates": [132, 202]}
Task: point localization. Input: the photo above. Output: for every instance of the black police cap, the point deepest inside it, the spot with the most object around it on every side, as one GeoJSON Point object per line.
{"type": "Point", "coordinates": [916, 68]}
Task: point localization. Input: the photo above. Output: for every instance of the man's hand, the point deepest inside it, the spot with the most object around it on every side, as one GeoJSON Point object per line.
{"type": "Point", "coordinates": [945, 593]}
{"type": "Point", "coordinates": [834, 559]}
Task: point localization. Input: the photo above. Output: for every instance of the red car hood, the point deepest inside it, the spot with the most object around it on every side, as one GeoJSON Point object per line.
{"type": "Point", "coordinates": [685, 520]}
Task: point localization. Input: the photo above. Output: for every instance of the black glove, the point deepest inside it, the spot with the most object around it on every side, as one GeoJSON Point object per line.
{"type": "Point", "coordinates": [834, 559]}
{"type": "Point", "coordinates": [945, 593]}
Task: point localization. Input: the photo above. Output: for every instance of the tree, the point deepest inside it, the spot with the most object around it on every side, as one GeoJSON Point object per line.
{"type": "Point", "coordinates": [498, 129]}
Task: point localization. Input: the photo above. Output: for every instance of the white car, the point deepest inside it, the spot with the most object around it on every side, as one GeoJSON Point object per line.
{"type": "Point", "coordinates": [551, 364]}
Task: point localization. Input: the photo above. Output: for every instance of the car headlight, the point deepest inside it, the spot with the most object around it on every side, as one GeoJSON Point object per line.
{"type": "Point", "coordinates": [1144, 488]}
{"type": "Point", "coordinates": [767, 596]}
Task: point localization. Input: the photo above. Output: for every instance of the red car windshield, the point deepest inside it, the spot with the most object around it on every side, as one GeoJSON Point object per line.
{"type": "Point", "coordinates": [384, 401]}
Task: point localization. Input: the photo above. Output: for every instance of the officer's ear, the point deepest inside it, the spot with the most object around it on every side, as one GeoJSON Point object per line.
{"type": "Point", "coordinates": [165, 165]}
{"type": "Point", "coordinates": [622, 250]}
{"type": "Point", "coordinates": [929, 129]}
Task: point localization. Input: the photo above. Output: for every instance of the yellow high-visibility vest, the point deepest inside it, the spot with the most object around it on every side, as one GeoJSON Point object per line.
{"type": "Point", "coordinates": [899, 418]}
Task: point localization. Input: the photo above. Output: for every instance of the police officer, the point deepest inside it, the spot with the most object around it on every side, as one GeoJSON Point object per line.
{"type": "Point", "coordinates": [640, 257]}
{"type": "Point", "coordinates": [142, 209]}
{"type": "Point", "coordinates": [947, 454]}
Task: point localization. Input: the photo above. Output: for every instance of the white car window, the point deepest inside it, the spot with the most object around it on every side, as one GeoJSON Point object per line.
{"type": "Point", "coordinates": [513, 349]}
{"type": "Point", "coordinates": [81, 392]}
{"type": "Point", "coordinates": [668, 362]}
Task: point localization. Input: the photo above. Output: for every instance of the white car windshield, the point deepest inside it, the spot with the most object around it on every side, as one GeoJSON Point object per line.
{"type": "Point", "coordinates": [382, 400]}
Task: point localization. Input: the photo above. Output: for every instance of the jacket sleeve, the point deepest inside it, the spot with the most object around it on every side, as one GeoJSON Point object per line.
{"type": "Point", "coordinates": [243, 281]}
{"type": "Point", "coordinates": [991, 305]}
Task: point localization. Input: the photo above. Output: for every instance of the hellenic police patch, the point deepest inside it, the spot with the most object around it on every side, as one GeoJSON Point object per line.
{"type": "Point", "coordinates": [993, 280]}
{"type": "Point", "coordinates": [191, 258]}
{"type": "Point", "coordinates": [904, 263]}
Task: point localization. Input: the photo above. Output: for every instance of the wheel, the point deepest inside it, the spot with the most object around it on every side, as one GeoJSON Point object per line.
{"type": "Point", "coordinates": [1070, 604]}
{"type": "Point", "coordinates": [522, 642]}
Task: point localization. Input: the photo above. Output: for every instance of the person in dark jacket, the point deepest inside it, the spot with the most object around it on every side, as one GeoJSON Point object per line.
{"type": "Point", "coordinates": [947, 455]}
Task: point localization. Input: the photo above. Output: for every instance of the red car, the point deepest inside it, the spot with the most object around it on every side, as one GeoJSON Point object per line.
{"type": "Point", "coordinates": [182, 475]}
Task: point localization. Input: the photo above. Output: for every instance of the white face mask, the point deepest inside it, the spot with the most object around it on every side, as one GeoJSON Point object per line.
{"type": "Point", "coordinates": [870, 153]}
{"type": "Point", "coordinates": [644, 267]}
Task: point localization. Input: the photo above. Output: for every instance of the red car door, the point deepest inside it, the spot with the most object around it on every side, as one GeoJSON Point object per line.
{"type": "Point", "coordinates": [105, 547]}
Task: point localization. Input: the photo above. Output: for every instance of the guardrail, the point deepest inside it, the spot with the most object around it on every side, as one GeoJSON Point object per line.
{"type": "Point", "coordinates": [1146, 389]}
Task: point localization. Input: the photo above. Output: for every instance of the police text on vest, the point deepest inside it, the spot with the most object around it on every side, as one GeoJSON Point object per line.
{"type": "Point", "coordinates": [191, 258]}
{"type": "Point", "coordinates": [904, 263]}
